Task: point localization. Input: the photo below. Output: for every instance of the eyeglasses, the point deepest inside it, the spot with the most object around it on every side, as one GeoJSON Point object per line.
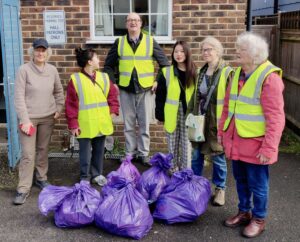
{"type": "Point", "coordinates": [131, 20]}
{"type": "Point", "coordinates": [208, 50]}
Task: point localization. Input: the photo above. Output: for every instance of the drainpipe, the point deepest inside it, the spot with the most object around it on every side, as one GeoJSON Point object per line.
{"type": "Point", "coordinates": [276, 6]}
{"type": "Point", "coordinates": [249, 16]}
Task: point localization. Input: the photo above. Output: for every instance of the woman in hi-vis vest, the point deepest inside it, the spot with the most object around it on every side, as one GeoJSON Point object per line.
{"type": "Point", "coordinates": [176, 85]}
{"type": "Point", "coordinates": [213, 78]}
{"type": "Point", "coordinates": [250, 130]}
{"type": "Point", "coordinates": [91, 105]}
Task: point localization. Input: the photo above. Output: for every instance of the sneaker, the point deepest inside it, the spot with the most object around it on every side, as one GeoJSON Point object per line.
{"type": "Point", "coordinates": [145, 160]}
{"type": "Point", "coordinates": [219, 197]}
{"type": "Point", "coordinates": [20, 198]}
{"type": "Point", "coordinates": [100, 180]}
{"type": "Point", "coordinates": [42, 184]}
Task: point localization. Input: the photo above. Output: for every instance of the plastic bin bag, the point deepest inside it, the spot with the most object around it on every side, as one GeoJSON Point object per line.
{"type": "Point", "coordinates": [154, 180]}
{"type": "Point", "coordinates": [123, 211]}
{"type": "Point", "coordinates": [128, 170]}
{"type": "Point", "coordinates": [73, 206]}
{"type": "Point", "coordinates": [184, 199]}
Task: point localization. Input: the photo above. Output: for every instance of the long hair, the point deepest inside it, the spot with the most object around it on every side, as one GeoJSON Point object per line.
{"type": "Point", "coordinates": [190, 73]}
{"type": "Point", "coordinates": [83, 56]}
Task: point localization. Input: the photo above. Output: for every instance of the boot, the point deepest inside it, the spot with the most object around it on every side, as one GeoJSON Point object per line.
{"type": "Point", "coordinates": [219, 197]}
{"type": "Point", "coordinates": [241, 218]}
{"type": "Point", "coordinates": [254, 228]}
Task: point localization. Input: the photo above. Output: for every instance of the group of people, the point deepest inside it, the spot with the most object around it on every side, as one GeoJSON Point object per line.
{"type": "Point", "coordinates": [243, 108]}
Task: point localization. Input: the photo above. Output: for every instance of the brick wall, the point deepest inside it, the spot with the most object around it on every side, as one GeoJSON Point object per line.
{"type": "Point", "coordinates": [192, 21]}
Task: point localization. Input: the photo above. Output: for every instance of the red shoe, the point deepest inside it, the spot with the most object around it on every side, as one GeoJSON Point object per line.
{"type": "Point", "coordinates": [254, 228]}
{"type": "Point", "coordinates": [241, 218]}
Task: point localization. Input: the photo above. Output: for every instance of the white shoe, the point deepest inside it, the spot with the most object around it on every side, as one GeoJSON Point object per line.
{"type": "Point", "coordinates": [100, 180]}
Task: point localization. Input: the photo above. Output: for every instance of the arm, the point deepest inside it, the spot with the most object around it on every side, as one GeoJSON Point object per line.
{"type": "Point", "coordinates": [72, 106]}
{"type": "Point", "coordinates": [272, 103]}
{"type": "Point", "coordinates": [159, 55]}
{"type": "Point", "coordinates": [111, 61]}
{"type": "Point", "coordinates": [112, 99]}
{"type": "Point", "coordinates": [19, 99]}
{"type": "Point", "coordinates": [160, 98]}
{"type": "Point", "coordinates": [58, 94]}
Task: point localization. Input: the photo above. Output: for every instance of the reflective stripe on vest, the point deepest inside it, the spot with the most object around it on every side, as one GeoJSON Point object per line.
{"type": "Point", "coordinates": [246, 107]}
{"type": "Point", "coordinates": [94, 115]}
{"type": "Point", "coordinates": [222, 91]}
{"type": "Point", "coordinates": [173, 96]}
{"type": "Point", "coordinates": [141, 60]}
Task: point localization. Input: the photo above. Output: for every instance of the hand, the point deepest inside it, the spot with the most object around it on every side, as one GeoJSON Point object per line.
{"type": "Point", "coordinates": [113, 116]}
{"type": "Point", "coordinates": [26, 127]}
{"type": "Point", "coordinates": [262, 158]}
{"type": "Point", "coordinates": [75, 132]}
{"type": "Point", "coordinates": [56, 115]}
{"type": "Point", "coordinates": [154, 87]}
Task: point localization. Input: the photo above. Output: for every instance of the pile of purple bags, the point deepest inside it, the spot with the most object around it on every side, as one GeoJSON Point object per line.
{"type": "Point", "coordinates": [123, 206]}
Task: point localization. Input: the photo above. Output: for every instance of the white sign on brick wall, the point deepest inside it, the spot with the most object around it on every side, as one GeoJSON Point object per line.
{"type": "Point", "coordinates": [55, 27]}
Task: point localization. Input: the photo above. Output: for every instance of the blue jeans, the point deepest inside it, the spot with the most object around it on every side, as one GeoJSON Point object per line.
{"type": "Point", "coordinates": [91, 153]}
{"type": "Point", "coordinates": [219, 167]}
{"type": "Point", "coordinates": [252, 181]}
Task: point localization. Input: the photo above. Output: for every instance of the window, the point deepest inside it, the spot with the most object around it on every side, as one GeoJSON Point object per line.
{"type": "Point", "coordinates": [108, 18]}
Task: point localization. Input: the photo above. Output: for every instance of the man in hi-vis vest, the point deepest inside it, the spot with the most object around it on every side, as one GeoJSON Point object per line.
{"type": "Point", "coordinates": [134, 53]}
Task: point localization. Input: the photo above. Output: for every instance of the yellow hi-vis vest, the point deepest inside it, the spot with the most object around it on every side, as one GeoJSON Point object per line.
{"type": "Point", "coordinates": [246, 106]}
{"type": "Point", "coordinates": [94, 115]}
{"type": "Point", "coordinates": [141, 60]}
{"type": "Point", "coordinates": [173, 95]}
{"type": "Point", "coordinates": [222, 91]}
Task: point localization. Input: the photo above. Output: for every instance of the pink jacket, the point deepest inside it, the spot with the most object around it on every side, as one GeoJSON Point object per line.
{"type": "Point", "coordinates": [246, 149]}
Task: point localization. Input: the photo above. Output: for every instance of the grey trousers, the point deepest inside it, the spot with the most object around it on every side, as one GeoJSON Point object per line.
{"type": "Point", "coordinates": [35, 153]}
{"type": "Point", "coordinates": [136, 108]}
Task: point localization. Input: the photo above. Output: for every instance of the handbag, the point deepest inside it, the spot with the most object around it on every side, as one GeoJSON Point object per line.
{"type": "Point", "coordinates": [196, 123]}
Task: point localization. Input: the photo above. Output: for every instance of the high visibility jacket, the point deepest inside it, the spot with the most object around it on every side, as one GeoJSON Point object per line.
{"type": "Point", "coordinates": [173, 96]}
{"type": "Point", "coordinates": [221, 91]}
{"type": "Point", "coordinates": [246, 106]}
{"type": "Point", "coordinates": [94, 116]}
{"type": "Point", "coordinates": [141, 60]}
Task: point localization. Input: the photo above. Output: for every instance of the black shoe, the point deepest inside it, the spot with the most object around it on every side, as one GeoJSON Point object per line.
{"type": "Point", "coordinates": [42, 184]}
{"type": "Point", "coordinates": [145, 160]}
{"type": "Point", "coordinates": [20, 198]}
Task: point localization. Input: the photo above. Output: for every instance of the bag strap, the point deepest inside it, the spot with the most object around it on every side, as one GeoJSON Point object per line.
{"type": "Point", "coordinates": [212, 88]}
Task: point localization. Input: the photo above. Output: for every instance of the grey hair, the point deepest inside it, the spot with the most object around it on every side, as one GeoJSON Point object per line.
{"type": "Point", "coordinates": [31, 55]}
{"type": "Point", "coordinates": [215, 43]}
{"type": "Point", "coordinates": [256, 46]}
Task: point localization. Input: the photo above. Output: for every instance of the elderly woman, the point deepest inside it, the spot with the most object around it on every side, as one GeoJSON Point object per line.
{"type": "Point", "coordinates": [39, 100]}
{"type": "Point", "coordinates": [250, 129]}
{"type": "Point", "coordinates": [213, 77]}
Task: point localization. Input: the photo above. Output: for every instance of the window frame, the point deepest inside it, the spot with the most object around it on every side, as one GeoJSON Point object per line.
{"type": "Point", "coordinates": [111, 39]}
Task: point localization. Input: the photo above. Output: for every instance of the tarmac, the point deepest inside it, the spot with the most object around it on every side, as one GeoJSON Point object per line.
{"type": "Point", "coordinates": [26, 223]}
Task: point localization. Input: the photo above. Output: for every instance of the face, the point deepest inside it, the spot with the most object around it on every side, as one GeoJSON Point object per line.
{"type": "Point", "coordinates": [209, 53]}
{"type": "Point", "coordinates": [179, 55]}
{"type": "Point", "coordinates": [39, 55]}
{"type": "Point", "coordinates": [94, 62]}
{"type": "Point", "coordinates": [133, 23]}
{"type": "Point", "coordinates": [242, 55]}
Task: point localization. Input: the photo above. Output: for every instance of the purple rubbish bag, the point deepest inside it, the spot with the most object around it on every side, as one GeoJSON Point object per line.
{"type": "Point", "coordinates": [153, 181]}
{"type": "Point", "coordinates": [76, 209]}
{"type": "Point", "coordinates": [123, 210]}
{"type": "Point", "coordinates": [184, 199]}
{"type": "Point", "coordinates": [128, 170]}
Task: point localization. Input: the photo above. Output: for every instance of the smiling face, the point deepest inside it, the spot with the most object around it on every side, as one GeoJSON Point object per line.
{"type": "Point", "coordinates": [209, 53]}
{"type": "Point", "coordinates": [133, 23]}
{"type": "Point", "coordinates": [39, 55]}
{"type": "Point", "coordinates": [179, 54]}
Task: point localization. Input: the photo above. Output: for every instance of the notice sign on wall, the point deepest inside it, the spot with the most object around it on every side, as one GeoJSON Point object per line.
{"type": "Point", "coordinates": [55, 27]}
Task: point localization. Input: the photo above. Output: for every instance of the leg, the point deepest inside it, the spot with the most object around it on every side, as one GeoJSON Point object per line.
{"type": "Point", "coordinates": [44, 131]}
{"type": "Point", "coordinates": [171, 140]}
{"type": "Point", "coordinates": [197, 161]}
{"type": "Point", "coordinates": [219, 171]}
{"type": "Point", "coordinates": [128, 107]}
{"type": "Point", "coordinates": [143, 110]}
{"type": "Point", "coordinates": [84, 158]}
{"type": "Point", "coordinates": [26, 165]}
{"type": "Point", "coordinates": [97, 156]}
{"type": "Point", "coordinates": [240, 175]}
